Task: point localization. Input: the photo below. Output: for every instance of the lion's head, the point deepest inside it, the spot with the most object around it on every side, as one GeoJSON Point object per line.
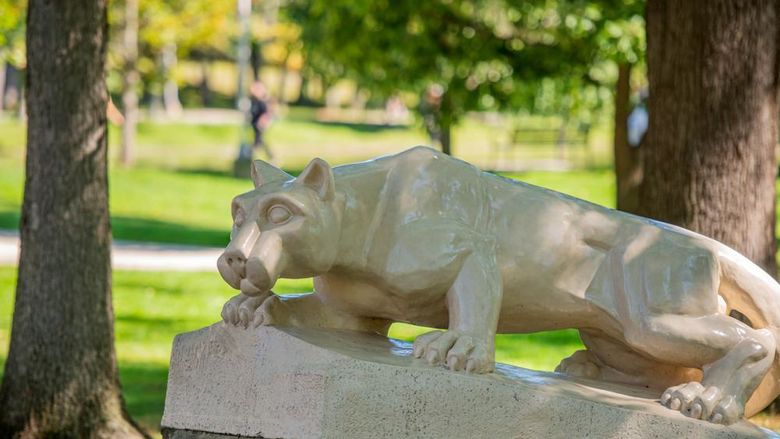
{"type": "Point", "coordinates": [285, 227]}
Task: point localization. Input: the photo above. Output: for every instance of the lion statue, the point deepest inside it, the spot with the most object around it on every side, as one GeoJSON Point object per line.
{"type": "Point", "coordinates": [423, 238]}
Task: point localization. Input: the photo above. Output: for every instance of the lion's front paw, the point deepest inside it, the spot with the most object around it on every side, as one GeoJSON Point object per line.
{"type": "Point", "coordinates": [700, 402]}
{"type": "Point", "coordinates": [271, 312]}
{"type": "Point", "coordinates": [241, 309]}
{"type": "Point", "coordinates": [456, 350]}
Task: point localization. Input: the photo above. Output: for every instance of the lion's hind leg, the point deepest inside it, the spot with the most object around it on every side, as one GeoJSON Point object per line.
{"type": "Point", "coordinates": [734, 359]}
{"type": "Point", "coordinates": [612, 360]}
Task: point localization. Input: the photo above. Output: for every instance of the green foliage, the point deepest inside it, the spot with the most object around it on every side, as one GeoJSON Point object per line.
{"type": "Point", "coordinates": [488, 54]}
{"type": "Point", "coordinates": [12, 28]}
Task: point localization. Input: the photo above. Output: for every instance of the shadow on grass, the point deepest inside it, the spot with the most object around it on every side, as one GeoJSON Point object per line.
{"type": "Point", "coordinates": [361, 127]}
{"type": "Point", "coordinates": [223, 173]}
{"type": "Point", "coordinates": [146, 230]}
{"type": "Point", "coordinates": [9, 219]}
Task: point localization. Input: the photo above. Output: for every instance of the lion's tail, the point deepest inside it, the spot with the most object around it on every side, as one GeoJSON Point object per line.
{"type": "Point", "coordinates": [753, 296]}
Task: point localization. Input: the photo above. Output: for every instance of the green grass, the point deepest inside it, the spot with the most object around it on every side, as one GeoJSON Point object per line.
{"type": "Point", "coordinates": [151, 308]}
{"type": "Point", "coordinates": [180, 189]}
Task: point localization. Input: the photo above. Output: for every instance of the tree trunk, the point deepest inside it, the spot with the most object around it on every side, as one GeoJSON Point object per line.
{"type": "Point", "coordinates": [446, 122]}
{"type": "Point", "coordinates": [303, 95]}
{"type": "Point", "coordinates": [22, 95]}
{"type": "Point", "coordinates": [446, 138]}
{"type": "Point", "coordinates": [203, 87]}
{"type": "Point", "coordinates": [709, 157]}
{"type": "Point", "coordinates": [131, 77]}
{"type": "Point", "coordinates": [61, 374]}
{"type": "Point", "coordinates": [2, 83]}
{"type": "Point", "coordinates": [171, 101]}
{"type": "Point", "coordinates": [628, 169]}
{"type": "Point", "coordinates": [256, 58]}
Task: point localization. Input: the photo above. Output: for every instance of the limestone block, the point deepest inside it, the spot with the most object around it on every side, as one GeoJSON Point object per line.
{"type": "Point", "coordinates": [278, 382]}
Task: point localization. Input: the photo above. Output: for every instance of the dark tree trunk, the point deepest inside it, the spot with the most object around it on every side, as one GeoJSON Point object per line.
{"type": "Point", "coordinates": [446, 122]}
{"type": "Point", "coordinates": [203, 87]}
{"type": "Point", "coordinates": [709, 157]}
{"type": "Point", "coordinates": [256, 58]}
{"type": "Point", "coordinates": [628, 170]}
{"type": "Point", "coordinates": [303, 96]}
{"type": "Point", "coordinates": [61, 374]}
{"type": "Point", "coordinates": [131, 77]}
{"type": "Point", "coordinates": [446, 138]}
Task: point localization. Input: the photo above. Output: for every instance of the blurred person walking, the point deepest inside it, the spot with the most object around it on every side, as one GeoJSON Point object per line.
{"type": "Point", "coordinates": [260, 117]}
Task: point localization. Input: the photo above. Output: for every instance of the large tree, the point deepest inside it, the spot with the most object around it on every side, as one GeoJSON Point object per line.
{"type": "Point", "coordinates": [485, 54]}
{"type": "Point", "coordinates": [61, 373]}
{"type": "Point", "coordinates": [709, 155]}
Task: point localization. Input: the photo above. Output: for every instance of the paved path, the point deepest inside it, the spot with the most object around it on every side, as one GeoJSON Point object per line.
{"type": "Point", "coordinates": [134, 255]}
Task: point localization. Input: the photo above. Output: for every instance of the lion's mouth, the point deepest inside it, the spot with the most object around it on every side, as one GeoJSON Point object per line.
{"type": "Point", "coordinates": [247, 287]}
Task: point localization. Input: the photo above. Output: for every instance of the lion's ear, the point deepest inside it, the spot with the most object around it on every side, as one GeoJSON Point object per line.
{"type": "Point", "coordinates": [263, 173]}
{"type": "Point", "coordinates": [319, 176]}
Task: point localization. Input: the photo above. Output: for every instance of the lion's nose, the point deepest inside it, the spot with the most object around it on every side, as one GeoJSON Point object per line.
{"type": "Point", "coordinates": [236, 260]}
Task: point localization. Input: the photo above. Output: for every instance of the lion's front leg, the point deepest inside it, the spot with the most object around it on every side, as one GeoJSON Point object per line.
{"type": "Point", "coordinates": [474, 303]}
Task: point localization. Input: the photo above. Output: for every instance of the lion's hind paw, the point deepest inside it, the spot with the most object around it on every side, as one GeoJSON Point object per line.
{"type": "Point", "coordinates": [706, 403]}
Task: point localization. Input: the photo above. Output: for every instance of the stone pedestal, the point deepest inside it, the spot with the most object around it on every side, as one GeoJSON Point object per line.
{"type": "Point", "coordinates": [228, 382]}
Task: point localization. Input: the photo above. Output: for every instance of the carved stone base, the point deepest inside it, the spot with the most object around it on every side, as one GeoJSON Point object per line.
{"type": "Point", "coordinates": [227, 382]}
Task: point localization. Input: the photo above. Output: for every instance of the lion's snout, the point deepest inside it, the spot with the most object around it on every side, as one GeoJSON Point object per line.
{"type": "Point", "coordinates": [248, 275]}
{"type": "Point", "coordinates": [228, 273]}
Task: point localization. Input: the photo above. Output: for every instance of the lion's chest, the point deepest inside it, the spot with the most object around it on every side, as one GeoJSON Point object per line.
{"type": "Point", "coordinates": [373, 298]}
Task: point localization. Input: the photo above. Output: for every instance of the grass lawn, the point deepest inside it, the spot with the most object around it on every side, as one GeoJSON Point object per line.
{"type": "Point", "coordinates": [180, 189]}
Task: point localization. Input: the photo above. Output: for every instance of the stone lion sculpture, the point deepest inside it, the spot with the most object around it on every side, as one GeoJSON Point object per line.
{"type": "Point", "coordinates": [424, 238]}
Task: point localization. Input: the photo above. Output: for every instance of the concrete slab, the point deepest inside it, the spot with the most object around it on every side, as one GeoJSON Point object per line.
{"type": "Point", "coordinates": [308, 383]}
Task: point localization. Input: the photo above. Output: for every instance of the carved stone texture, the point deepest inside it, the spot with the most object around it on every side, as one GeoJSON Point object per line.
{"type": "Point", "coordinates": [424, 238]}
{"type": "Point", "coordinates": [311, 383]}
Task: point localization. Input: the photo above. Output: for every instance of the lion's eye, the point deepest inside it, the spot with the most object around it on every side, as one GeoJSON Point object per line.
{"type": "Point", "coordinates": [279, 214]}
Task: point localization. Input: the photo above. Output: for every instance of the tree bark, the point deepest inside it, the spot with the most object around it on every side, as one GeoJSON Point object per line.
{"type": "Point", "coordinates": [256, 58]}
{"type": "Point", "coordinates": [171, 101]}
{"type": "Point", "coordinates": [61, 374]}
{"type": "Point", "coordinates": [130, 82]}
{"type": "Point", "coordinates": [446, 117]}
{"type": "Point", "coordinates": [709, 157]}
{"type": "Point", "coordinates": [203, 87]}
{"type": "Point", "coordinates": [628, 169]}
{"type": "Point", "coordinates": [446, 138]}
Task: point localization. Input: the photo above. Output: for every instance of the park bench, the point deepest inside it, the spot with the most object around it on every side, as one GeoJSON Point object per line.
{"type": "Point", "coordinates": [553, 148]}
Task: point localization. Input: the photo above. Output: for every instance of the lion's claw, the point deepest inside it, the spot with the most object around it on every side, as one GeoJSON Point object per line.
{"type": "Point", "coordinates": [242, 309]}
{"type": "Point", "coordinates": [455, 350]}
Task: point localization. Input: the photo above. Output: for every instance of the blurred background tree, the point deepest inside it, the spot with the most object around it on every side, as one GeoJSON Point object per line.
{"type": "Point", "coordinates": [484, 55]}
{"type": "Point", "coordinates": [12, 30]}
